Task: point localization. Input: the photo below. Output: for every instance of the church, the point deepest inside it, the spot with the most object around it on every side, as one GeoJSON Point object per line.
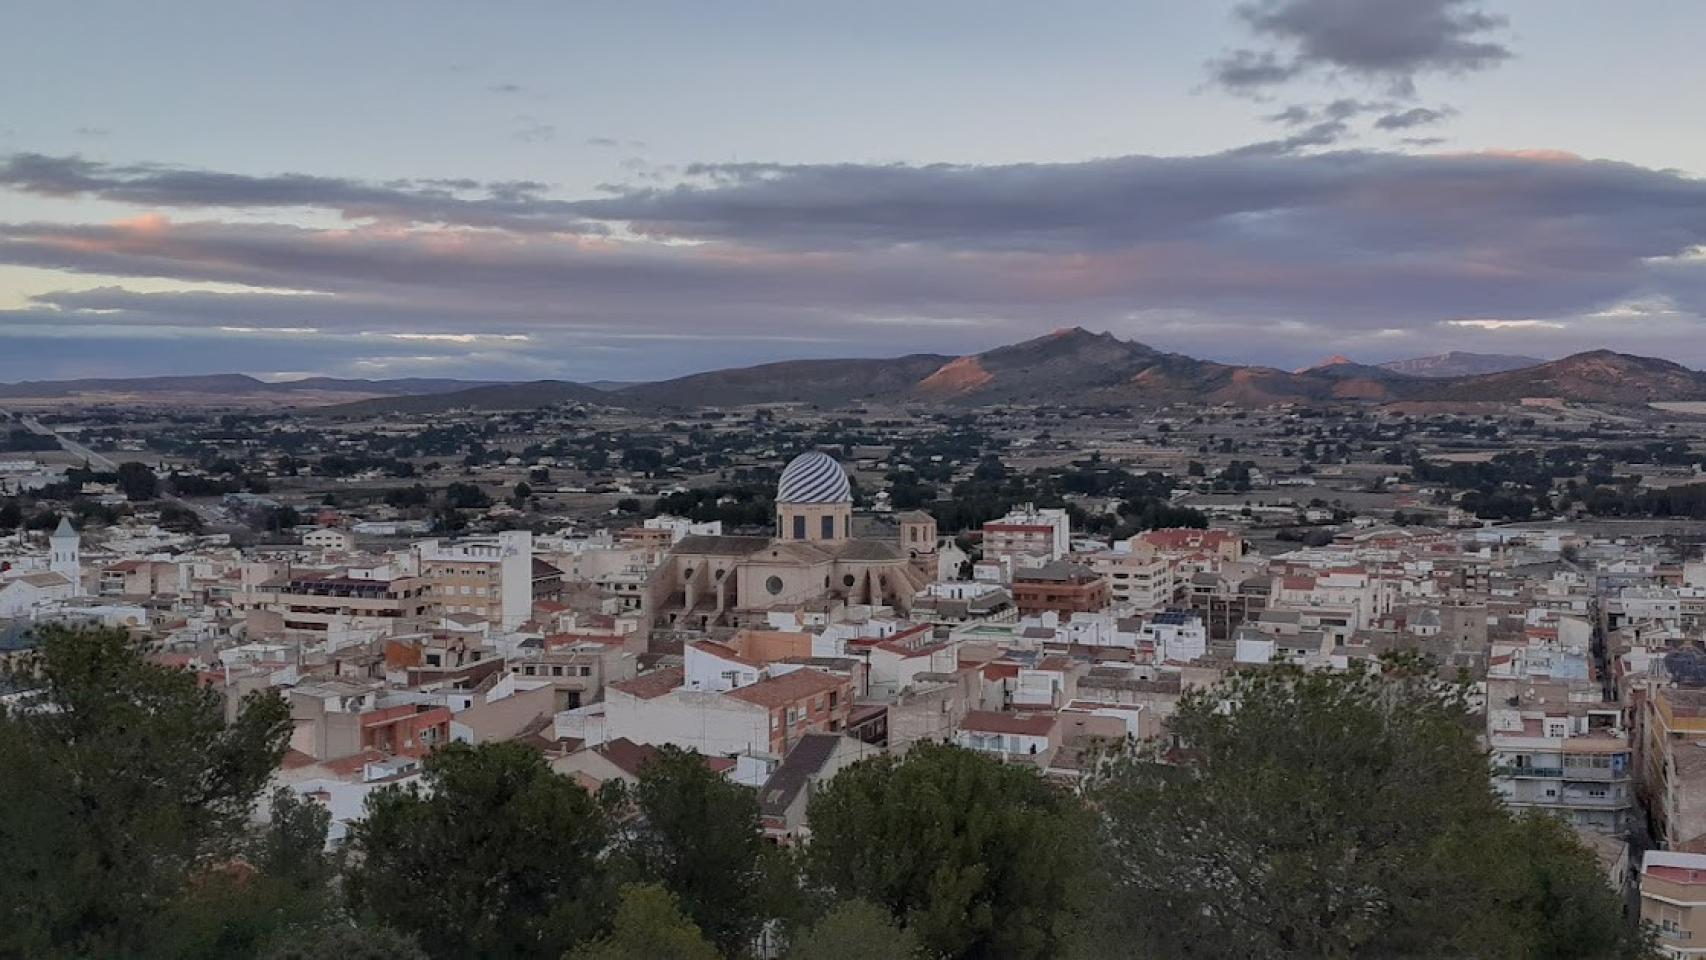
{"type": "Point", "coordinates": [813, 563]}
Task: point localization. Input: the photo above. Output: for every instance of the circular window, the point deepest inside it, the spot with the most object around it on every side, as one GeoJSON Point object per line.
{"type": "Point", "coordinates": [849, 580]}
{"type": "Point", "coordinates": [774, 585]}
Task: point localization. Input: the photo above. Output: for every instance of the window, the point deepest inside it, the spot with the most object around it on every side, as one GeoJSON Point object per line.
{"type": "Point", "coordinates": [799, 527]}
{"type": "Point", "coordinates": [828, 528]}
{"type": "Point", "coordinates": [773, 585]}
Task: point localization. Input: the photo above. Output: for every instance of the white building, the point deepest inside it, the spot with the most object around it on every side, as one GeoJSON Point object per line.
{"type": "Point", "coordinates": [65, 555]}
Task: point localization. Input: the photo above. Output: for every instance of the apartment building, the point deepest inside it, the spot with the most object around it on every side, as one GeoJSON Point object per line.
{"type": "Point", "coordinates": [488, 577]}
{"type": "Point", "coordinates": [321, 605]}
{"type": "Point", "coordinates": [1065, 588]}
{"type": "Point", "coordinates": [1028, 532]}
{"type": "Point", "coordinates": [1673, 901]}
{"type": "Point", "coordinates": [1557, 746]}
{"type": "Point", "coordinates": [1143, 581]}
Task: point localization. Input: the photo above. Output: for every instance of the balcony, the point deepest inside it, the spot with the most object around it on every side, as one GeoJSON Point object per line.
{"type": "Point", "coordinates": [1595, 773]}
{"type": "Point", "coordinates": [1532, 773]}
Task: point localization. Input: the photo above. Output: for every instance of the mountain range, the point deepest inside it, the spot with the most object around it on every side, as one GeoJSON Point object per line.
{"type": "Point", "coordinates": [233, 385]}
{"type": "Point", "coordinates": [1068, 366]}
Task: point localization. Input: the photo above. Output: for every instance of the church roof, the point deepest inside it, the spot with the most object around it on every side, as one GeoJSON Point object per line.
{"type": "Point", "coordinates": [813, 477]}
{"type": "Point", "coordinates": [720, 546]}
{"type": "Point", "coordinates": [868, 550]}
{"type": "Point", "coordinates": [64, 529]}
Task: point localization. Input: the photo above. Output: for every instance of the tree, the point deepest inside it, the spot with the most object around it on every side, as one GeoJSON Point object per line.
{"type": "Point", "coordinates": [975, 857]}
{"type": "Point", "coordinates": [1369, 829]}
{"type": "Point", "coordinates": [179, 519]}
{"type": "Point", "coordinates": [854, 930]}
{"type": "Point", "coordinates": [341, 940]}
{"type": "Point", "coordinates": [521, 494]}
{"type": "Point", "coordinates": [498, 856]}
{"type": "Point", "coordinates": [293, 847]}
{"type": "Point", "coordinates": [649, 926]}
{"type": "Point", "coordinates": [11, 515]}
{"type": "Point", "coordinates": [698, 835]}
{"type": "Point", "coordinates": [137, 482]}
{"type": "Point", "coordinates": [466, 496]}
{"type": "Point", "coordinates": [122, 789]}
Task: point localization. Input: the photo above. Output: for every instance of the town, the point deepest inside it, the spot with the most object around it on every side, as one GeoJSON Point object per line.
{"type": "Point", "coordinates": [787, 590]}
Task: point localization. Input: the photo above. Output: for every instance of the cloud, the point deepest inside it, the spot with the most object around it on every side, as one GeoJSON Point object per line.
{"type": "Point", "coordinates": [505, 205]}
{"type": "Point", "coordinates": [1389, 42]}
{"type": "Point", "coordinates": [1322, 134]}
{"type": "Point", "coordinates": [92, 131]}
{"type": "Point", "coordinates": [506, 88]}
{"type": "Point", "coordinates": [1413, 117]}
{"type": "Point", "coordinates": [1248, 70]}
{"type": "Point", "coordinates": [1266, 251]}
{"type": "Point", "coordinates": [536, 133]}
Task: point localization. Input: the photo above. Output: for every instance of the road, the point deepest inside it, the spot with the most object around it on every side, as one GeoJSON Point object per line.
{"type": "Point", "coordinates": [100, 461]}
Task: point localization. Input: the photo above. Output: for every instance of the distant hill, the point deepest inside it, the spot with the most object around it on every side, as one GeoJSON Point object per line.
{"type": "Point", "coordinates": [1072, 365]}
{"type": "Point", "coordinates": [1076, 365]}
{"type": "Point", "coordinates": [235, 385]}
{"type": "Point", "coordinates": [1460, 364]}
{"type": "Point", "coordinates": [498, 396]}
{"type": "Point", "coordinates": [789, 381]}
{"type": "Point", "coordinates": [1598, 376]}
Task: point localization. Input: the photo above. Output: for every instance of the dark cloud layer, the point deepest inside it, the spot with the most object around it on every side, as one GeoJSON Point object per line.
{"type": "Point", "coordinates": [1275, 252]}
{"type": "Point", "coordinates": [503, 205]}
{"type": "Point", "coordinates": [1386, 41]}
{"type": "Point", "coordinates": [1413, 117]}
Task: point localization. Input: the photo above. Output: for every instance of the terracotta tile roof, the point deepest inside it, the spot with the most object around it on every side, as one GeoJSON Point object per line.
{"type": "Point", "coordinates": [788, 688]}
{"type": "Point", "coordinates": [1023, 724]}
{"type": "Point", "coordinates": [650, 686]}
{"type": "Point", "coordinates": [725, 652]}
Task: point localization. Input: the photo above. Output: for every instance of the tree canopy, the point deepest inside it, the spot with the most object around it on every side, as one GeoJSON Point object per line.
{"type": "Point", "coordinates": [1342, 815]}
{"type": "Point", "coordinates": [697, 834]}
{"type": "Point", "coordinates": [123, 791]}
{"type": "Point", "coordinates": [498, 856]}
{"type": "Point", "coordinates": [974, 857]}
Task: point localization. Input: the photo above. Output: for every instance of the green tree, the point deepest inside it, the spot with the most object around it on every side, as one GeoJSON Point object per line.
{"type": "Point", "coordinates": [179, 519]}
{"type": "Point", "coordinates": [293, 847]}
{"type": "Point", "coordinates": [854, 930]}
{"type": "Point", "coordinates": [11, 515]}
{"type": "Point", "coordinates": [649, 926]}
{"type": "Point", "coordinates": [521, 494]}
{"type": "Point", "coordinates": [137, 482]}
{"type": "Point", "coordinates": [341, 940]}
{"type": "Point", "coordinates": [975, 857]}
{"type": "Point", "coordinates": [497, 857]}
{"type": "Point", "coordinates": [1341, 815]}
{"type": "Point", "coordinates": [466, 496]}
{"type": "Point", "coordinates": [122, 790]}
{"type": "Point", "coordinates": [698, 835]}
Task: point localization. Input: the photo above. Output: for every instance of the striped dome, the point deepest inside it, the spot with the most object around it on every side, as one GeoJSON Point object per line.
{"type": "Point", "coordinates": [813, 477]}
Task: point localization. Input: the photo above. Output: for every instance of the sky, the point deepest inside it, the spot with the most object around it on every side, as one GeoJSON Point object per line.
{"type": "Point", "coordinates": [641, 190]}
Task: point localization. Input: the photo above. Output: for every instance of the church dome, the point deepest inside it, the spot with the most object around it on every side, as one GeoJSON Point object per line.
{"type": "Point", "coordinates": [813, 477]}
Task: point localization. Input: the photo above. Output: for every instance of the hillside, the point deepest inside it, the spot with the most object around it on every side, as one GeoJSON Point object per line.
{"type": "Point", "coordinates": [234, 387]}
{"type": "Point", "coordinates": [789, 381]}
{"type": "Point", "coordinates": [1077, 365]}
{"type": "Point", "coordinates": [500, 396]}
{"type": "Point", "coordinates": [1598, 376]}
{"type": "Point", "coordinates": [1068, 366]}
{"type": "Point", "coordinates": [1458, 363]}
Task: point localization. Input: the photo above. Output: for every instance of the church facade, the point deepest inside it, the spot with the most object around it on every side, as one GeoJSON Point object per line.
{"type": "Point", "coordinates": [813, 563]}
